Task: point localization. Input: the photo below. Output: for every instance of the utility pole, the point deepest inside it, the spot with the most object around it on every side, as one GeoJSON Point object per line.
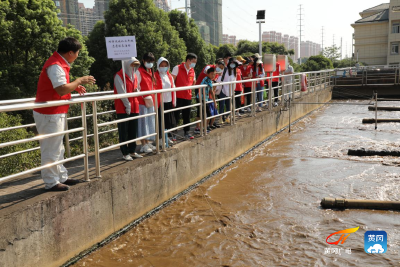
{"type": "Point", "coordinates": [301, 29]}
{"type": "Point", "coordinates": [186, 8]}
{"type": "Point", "coordinates": [341, 47]}
{"type": "Point", "coordinates": [322, 40]}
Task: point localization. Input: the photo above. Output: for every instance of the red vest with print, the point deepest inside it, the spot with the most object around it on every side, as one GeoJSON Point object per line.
{"type": "Point", "coordinates": [239, 86]}
{"type": "Point", "coordinates": [45, 91]}
{"type": "Point", "coordinates": [277, 72]}
{"type": "Point", "coordinates": [202, 75]}
{"type": "Point", "coordinates": [256, 76]}
{"type": "Point", "coordinates": [130, 86]}
{"type": "Point", "coordinates": [184, 79]}
{"type": "Point", "coordinates": [159, 85]}
{"type": "Point", "coordinates": [146, 84]}
{"type": "Point", "coordinates": [246, 73]}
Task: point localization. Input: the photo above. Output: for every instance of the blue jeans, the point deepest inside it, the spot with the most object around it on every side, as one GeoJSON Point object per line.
{"type": "Point", "coordinates": [259, 94]}
{"type": "Point", "coordinates": [224, 103]}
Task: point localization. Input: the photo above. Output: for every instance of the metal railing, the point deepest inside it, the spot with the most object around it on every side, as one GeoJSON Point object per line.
{"type": "Point", "coordinates": [316, 81]}
{"type": "Point", "coordinates": [368, 76]}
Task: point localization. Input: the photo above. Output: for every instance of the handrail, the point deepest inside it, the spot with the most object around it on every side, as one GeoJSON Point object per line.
{"type": "Point", "coordinates": [318, 79]}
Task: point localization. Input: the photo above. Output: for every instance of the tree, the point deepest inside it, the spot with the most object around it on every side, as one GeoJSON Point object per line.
{"type": "Point", "coordinates": [247, 48]}
{"type": "Point", "coordinates": [316, 63]}
{"type": "Point", "coordinates": [29, 34]}
{"type": "Point", "coordinates": [142, 19]}
{"type": "Point", "coordinates": [333, 53]}
{"type": "Point", "coordinates": [225, 49]}
{"type": "Point", "coordinates": [189, 32]}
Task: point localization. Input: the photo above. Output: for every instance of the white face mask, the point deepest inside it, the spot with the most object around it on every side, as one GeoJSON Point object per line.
{"type": "Point", "coordinates": [192, 65]}
{"type": "Point", "coordinates": [163, 69]}
{"type": "Point", "coordinates": [148, 65]}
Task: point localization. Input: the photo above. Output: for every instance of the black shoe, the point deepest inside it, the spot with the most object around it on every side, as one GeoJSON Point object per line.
{"type": "Point", "coordinates": [59, 187]}
{"type": "Point", "coordinates": [72, 182]}
{"type": "Point", "coordinates": [216, 125]}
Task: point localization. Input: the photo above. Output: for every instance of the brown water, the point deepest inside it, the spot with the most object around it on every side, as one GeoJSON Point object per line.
{"type": "Point", "coordinates": [264, 210]}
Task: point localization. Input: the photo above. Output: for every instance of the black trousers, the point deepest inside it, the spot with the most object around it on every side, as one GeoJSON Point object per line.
{"type": "Point", "coordinates": [169, 118]}
{"type": "Point", "coordinates": [127, 131]}
{"type": "Point", "coordinates": [238, 100]}
{"type": "Point", "coordinates": [185, 112]}
{"type": "Point", "coordinates": [248, 97]}
{"type": "Point", "coordinates": [276, 90]}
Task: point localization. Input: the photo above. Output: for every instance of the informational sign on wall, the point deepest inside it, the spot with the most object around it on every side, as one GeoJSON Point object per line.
{"type": "Point", "coordinates": [121, 47]}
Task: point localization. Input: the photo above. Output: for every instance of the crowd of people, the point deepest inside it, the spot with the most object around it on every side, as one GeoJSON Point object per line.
{"type": "Point", "coordinates": [147, 75]}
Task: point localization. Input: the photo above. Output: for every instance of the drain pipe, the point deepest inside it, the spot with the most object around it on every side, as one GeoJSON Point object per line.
{"type": "Point", "coordinates": [342, 203]}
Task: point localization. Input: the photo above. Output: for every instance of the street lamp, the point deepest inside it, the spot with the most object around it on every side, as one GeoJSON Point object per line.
{"type": "Point", "coordinates": [260, 19]}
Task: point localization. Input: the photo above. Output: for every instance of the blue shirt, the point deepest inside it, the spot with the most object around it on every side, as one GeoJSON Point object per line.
{"type": "Point", "coordinates": [208, 82]}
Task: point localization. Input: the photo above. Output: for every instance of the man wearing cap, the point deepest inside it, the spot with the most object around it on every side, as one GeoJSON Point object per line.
{"type": "Point", "coordinates": [54, 85]}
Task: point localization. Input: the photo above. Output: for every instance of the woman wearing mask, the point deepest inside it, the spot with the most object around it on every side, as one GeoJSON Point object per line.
{"type": "Point", "coordinates": [238, 87]}
{"type": "Point", "coordinates": [248, 74]}
{"type": "Point", "coordinates": [223, 91]}
{"type": "Point", "coordinates": [258, 72]}
{"type": "Point", "coordinates": [146, 81]}
{"type": "Point", "coordinates": [127, 107]}
{"type": "Point", "coordinates": [164, 80]}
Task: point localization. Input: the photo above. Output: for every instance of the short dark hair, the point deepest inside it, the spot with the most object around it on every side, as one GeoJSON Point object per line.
{"type": "Point", "coordinates": [191, 56]}
{"type": "Point", "coordinates": [218, 60]}
{"type": "Point", "coordinates": [228, 55]}
{"type": "Point", "coordinates": [212, 69]}
{"type": "Point", "coordinates": [69, 44]}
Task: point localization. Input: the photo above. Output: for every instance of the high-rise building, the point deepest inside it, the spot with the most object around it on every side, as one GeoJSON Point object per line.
{"type": "Point", "coordinates": [210, 12]}
{"type": "Point", "coordinates": [232, 40]}
{"type": "Point", "coordinates": [68, 12]}
{"type": "Point", "coordinates": [101, 6]}
{"type": "Point", "coordinates": [162, 4]}
{"type": "Point", "coordinates": [225, 39]}
{"type": "Point", "coordinates": [86, 18]}
{"type": "Point", "coordinates": [204, 30]}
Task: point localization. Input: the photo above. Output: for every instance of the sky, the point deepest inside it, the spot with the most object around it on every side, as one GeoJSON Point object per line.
{"type": "Point", "coordinates": [239, 18]}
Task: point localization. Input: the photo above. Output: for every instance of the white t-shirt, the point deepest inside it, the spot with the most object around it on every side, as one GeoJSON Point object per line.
{"type": "Point", "coordinates": [166, 84]}
{"type": "Point", "coordinates": [175, 71]}
{"type": "Point", "coordinates": [56, 74]}
{"type": "Point", "coordinates": [228, 78]}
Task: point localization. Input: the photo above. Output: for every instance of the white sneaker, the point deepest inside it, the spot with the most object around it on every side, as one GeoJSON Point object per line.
{"type": "Point", "coordinates": [127, 158]}
{"type": "Point", "coordinates": [136, 155]}
{"type": "Point", "coordinates": [238, 114]}
{"type": "Point", "coordinates": [152, 147]}
{"type": "Point", "coordinates": [146, 149]}
{"type": "Point", "coordinates": [275, 104]}
{"type": "Point", "coordinates": [170, 141]}
{"type": "Point", "coordinates": [248, 109]}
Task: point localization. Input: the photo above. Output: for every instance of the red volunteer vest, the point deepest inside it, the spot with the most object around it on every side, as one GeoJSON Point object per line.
{"type": "Point", "coordinates": [130, 86]}
{"type": "Point", "coordinates": [159, 86]}
{"type": "Point", "coordinates": [45, 91]}
{"type": "Point", "coordinates": [145, 85]}
{"type": "Point", "coordinates": [239, 86]}
{"type": "Point", "coordinates": [184, 79]}
{"type": "Point", "coordinates": [277, 72]}
{"type": "Point", "coordinates": [256, 75]}
{"type": "Point", "coordinates": [246, 73]}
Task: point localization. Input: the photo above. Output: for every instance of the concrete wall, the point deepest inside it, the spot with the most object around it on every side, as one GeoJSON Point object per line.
{"type": "Point", "coordinates": [61, 225]}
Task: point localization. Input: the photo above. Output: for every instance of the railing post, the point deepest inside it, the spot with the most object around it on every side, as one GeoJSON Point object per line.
{"type": "Point", "coordinates": [270, 92]}
{"type": "Point", "coordinates": [202, 123]}
{"type": "Point", "coordinates": [366, 77]}
{"type": "Point", "coordinates": [157, 124]}
{"type": "Point", "coordinates": [233, 104]}
{"type": "Point", "coordinates": [283, 97]}
{"type": "Point", "coordinates": [253, 99]}
{"type": "Point", "coordinates": [96, 140]}
{"type": "Point", "coordinates": [85, 143]}
{"type": "Point", "coordinates": [204, 107]}
{"type": "Point", "coordinates": [376, 111]}
{"type": "Point", "coordinates": [162, 115]}
{"type": "Point", "coordinates": [67, 146]}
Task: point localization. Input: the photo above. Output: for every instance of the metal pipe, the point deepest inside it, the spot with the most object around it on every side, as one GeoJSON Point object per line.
{"type": "Point", "coordinates": [233, 105]}
{"type": "Point", "coordinates": [96, 140]}
{"type": "Point", "coordinates": [376, 111]}
{"type": "Point", "coordinates": [157, 125]}
{"type": "Point", "coordinates": [253, 106]}
{"type": "Point", "coordinates": [202, 124]}
{"type": "Point", "coordinates": [67, 146]}
{"type": "Point", "coordinates": [85, 144]}
{"type": "Point", "coordinates": [270, 92]}
{"type": "Point", "coordinates": [164, 139]}
{"type": "Point", "coordinates": [342, 203]}
{"type": "Point", "coordinates": [204, 103]}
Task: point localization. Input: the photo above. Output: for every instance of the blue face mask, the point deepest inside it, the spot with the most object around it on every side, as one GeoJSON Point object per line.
{"type": "Point", "coordinates": [232, 66]}
{"type": "Point", "coordinates": [192, 65]}
{"type": "Point", "coordinates": [148, 65]}
{"type": "Point", "coordinates": [219, 70]}
{"type": "Point", "coordinates": [163, 69]}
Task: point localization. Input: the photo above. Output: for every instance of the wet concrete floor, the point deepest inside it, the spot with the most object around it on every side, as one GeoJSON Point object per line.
{"type": "Point", "coordinates": [264, 210]}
